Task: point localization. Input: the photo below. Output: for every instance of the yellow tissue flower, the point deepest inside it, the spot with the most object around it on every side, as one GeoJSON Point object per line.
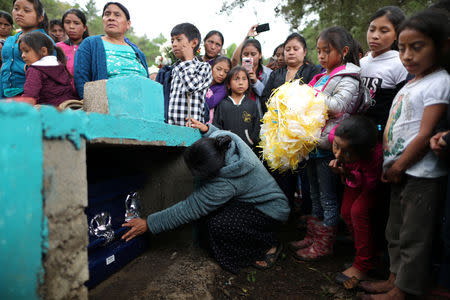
{"type": "Point", "coordinates": [296, 114]}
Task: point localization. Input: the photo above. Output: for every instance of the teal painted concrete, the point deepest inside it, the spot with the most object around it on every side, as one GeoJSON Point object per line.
{"type": "Point", "coordinates": [135, 114]}
{"type": "Point", "coordinates": [135, 96]}
{"type": "Point", "coordinates": [21, 206]}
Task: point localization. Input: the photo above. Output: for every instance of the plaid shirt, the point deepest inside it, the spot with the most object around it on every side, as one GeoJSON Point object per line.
{"type": "Point", "coordinates": [194, 77]}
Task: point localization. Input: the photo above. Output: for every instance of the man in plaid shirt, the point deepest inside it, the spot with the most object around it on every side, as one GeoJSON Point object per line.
{"type": "Point", "coordinates": [190, 77]}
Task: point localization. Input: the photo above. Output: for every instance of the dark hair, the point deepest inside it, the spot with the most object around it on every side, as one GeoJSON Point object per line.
{"type": "Point", "coordinates": [213, 32]}
{"type": "Point", "coordinates": [80, 15]}
{"type": "Point", "coordinates": [394, 14]}
{"type": "Point", "coordinates": [231, 74]}
{"type": "Point", "coordinates": [36, 40]}
{"type": "Point", "coordinates": [302, 41]}
{"type": "Point", "coordinates": [338, 37]}
{"type": "Point", "coordinates": [206, 156]}
{"type": "Point", "coordinates": [360, 133]}
{"type": "Point", "coordinates": [6, 16]}
{"type": "Point", "coordinates": [220, 59]}
{"type": "Point", "coordinates": [276, 49]}
{"type": "Point", "coordinates": [120, 5]}
{"type": "Point", "coordinates": [39, 8]}
{"type": "Point", "coordinates": [257, 45]}
{"type": "Point", "coordinates": [435, 25]}
{"type": "Point", "coordinates": [189, 30]}
{"type": "Point", "coordinates": [56, 22]}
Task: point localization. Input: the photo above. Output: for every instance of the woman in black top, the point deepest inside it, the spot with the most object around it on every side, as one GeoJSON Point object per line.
{"type": "Point", "coordinates": [296, 67]}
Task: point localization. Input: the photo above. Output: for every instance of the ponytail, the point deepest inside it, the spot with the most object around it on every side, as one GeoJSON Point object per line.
{"type": "Point", "coordinates": [222, 143]}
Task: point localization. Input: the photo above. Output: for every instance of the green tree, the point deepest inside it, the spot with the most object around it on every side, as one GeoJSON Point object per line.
{"type": "Point", "coordinates": [230, 50]}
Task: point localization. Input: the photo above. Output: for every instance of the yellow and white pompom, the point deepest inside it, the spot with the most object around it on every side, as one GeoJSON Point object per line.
{"type": "Point", "coordinates": [296, 114]}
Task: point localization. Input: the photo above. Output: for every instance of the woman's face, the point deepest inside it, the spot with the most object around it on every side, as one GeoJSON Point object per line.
{"type": "Point", "coordinates": [279, 56]}
{"type": "Point", "coordinates": [220, 71]}
{"type": "Point", "coordinates": [5, 27]}
{"type": "Point", "coordinates": [25, 16]}
{"type": "Point", "coordinates": [74, 27]}
{"type": "Point", "coordinates": [251, 51]}
{"type": "Point", "coordinates": [213, 45]}
{"type": "Point", "coordinates": [57, 32]}
{"type": "Point", "coordinates": [294, 53]}
{"type": "Point", "coordinates": [115, 21]}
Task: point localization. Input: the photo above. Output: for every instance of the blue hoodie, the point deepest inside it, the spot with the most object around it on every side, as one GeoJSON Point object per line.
{"type": "Point", "coordinates": [243, 178]}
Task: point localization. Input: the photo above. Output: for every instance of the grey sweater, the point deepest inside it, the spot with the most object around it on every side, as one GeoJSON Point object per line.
{"type": "Point", "coordinates": [243, 178]}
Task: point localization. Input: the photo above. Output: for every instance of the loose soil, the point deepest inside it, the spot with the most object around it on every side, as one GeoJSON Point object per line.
{"type": "Point", "coordinates": [182, 271]}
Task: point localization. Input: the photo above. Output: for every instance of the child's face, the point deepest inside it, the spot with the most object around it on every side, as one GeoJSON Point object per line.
{"type": "Point", "coordinates": [251, 51]}
{"type": "Point", "coordinates": [343, 152]}
{"type": "Point", "coordinates": [417, 52]}
{"type": "Point", "coordinates": [74, 27]}
{"type": "Point", "coordinates": [213, 45]}
{"type": "Point", "coordinates": [58, 32]}
{"type": "Point", "coordinates": [239, 83]}
{"type": "Point", "coordinates": [220, 71]}
{"type": "Point", "coordinates": [5, 27]}
{"type": "Point", "coordinates": [380, 36]}
{"type": "Point", "coordinates": [182, 47]}
{"type": "Point", "coordinates": [329, 57]}
{"type": "Point", "coordinates": [294, 53]}
{"type": "Point", "coordinates": [25, 15]}
{"type": "Point", "coordinates": [29, 56]}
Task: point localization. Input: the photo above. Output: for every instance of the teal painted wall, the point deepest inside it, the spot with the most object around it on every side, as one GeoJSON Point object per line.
{"type": "Point", "coordinates": [23, 229]}
{"type": "Point", "coordinates": [21, 206]}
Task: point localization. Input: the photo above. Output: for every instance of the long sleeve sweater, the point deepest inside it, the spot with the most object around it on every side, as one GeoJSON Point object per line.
{"type": "Point", "coordinates": [243, 178]}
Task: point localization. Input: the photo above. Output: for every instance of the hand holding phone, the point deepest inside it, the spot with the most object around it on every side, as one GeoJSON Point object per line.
{"type": "Point", "coordinates": [262, 28]}
{"type": "Point", "coordinates": [247, 63]}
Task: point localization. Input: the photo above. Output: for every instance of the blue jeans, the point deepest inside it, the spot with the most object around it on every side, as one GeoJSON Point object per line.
{"type": "Point", "coordinates": [322, 189]}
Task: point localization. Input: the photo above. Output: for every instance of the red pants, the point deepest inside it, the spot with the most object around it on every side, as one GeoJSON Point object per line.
{"type": "Point", "coordinates": [355, 211]}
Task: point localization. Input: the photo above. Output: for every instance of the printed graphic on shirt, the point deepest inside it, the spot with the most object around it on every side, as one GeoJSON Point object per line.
{"type": "Point", "coordinates": [373, 84]}
{"type": "Point", "coordinates": [393, 117]}
{"type": "Point", "coordinates": [246, 117]}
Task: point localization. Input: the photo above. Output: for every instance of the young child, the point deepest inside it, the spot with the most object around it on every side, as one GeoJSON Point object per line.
{"type": "Point", "coordinates": [415, 174]}
{"type": "Point", "coordinates": [47, 80]}
{"type": "Point", "coordinates": [359, 160]}
{"type": "Point", "coordinates": [381, 70]}
{"type": "Point", "coordinates": [341, 86]}
{"type": "Point", "coordinates": [237, 113]}
{"type": "Point", "coordinates": [217, 91]}
{"type": "Point", "coordinates": [29, 16]}
{"type": "Point", "coordinates": [57, 30]}
{"type": "Point", "coordinates": [74, 22]}
{"type": "Point", "coordinates": [190, 78]}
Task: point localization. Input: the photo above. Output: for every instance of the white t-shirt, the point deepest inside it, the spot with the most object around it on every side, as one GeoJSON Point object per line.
{"type": "Point", "coordinates": [384, 71]}
{"type": "Point", "coordinates": [404, 122]}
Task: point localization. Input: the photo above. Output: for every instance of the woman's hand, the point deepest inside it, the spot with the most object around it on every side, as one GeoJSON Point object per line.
{"type": "Point", "coordinates": [393, 175]}
{"type": "Point", "coordinates": [252, 76]}
{"type": "Point", "coordinates": [252, 31]}
{"type": "Point", "coordinates": [137, 226]}
{"type": "Point", "coordinates": [197, 124]}
{"type": "Point", "coordinates": [438, 144]}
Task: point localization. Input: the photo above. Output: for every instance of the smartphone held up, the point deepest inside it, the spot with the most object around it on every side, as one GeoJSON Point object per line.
{"type": "Point", "coordinates": [247, 63]}
{"type": "Point", "coordinates": [262, 27]}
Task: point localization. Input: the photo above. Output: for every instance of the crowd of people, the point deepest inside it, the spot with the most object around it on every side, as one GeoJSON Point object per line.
{"type": "Point", "coordinates": [380, 163]}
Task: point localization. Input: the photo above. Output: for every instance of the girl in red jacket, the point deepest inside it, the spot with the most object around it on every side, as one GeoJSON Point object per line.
{"type": "Point", "coordinates": [47, 79]}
